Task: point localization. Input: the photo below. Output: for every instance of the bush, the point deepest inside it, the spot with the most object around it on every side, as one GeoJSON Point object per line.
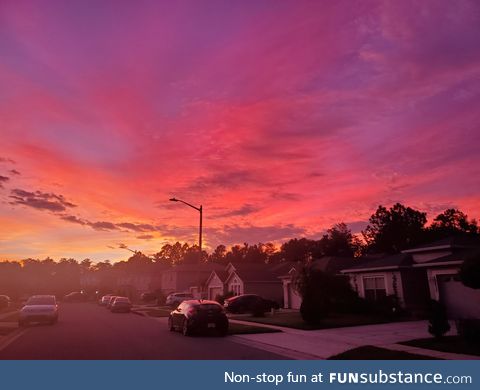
{"type": "Point", "coordinates": [313, 310]}
{"type": "Point", "coordinates": [470, 272]}
{"type": "Point", "coordinates": [438, 321]}
{"type": "Point", "coordinates": [469, 330]}
{"type": "Point", "coordinates": [388, 306]}
{"type": "Point", "coordinates": [323, 293]}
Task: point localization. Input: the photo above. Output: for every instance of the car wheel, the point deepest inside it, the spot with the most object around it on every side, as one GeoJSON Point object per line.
{"type": "Point", "coordinates": [185, 328]}
{"type": "Point", "coordinates": [171, 328]}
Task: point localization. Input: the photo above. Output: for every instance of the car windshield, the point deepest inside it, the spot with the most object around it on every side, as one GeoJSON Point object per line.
{"type": "Point", "coordinates": [41, 301]}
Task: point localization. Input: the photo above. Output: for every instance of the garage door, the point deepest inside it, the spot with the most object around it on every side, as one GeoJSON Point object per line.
{"type": "Point", "coordinates": [214, 291]}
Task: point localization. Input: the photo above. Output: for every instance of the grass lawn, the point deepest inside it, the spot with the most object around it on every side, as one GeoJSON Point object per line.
{"type": "Point", "coordinates": [10, 318]}
{"type": "Point", "coordinates": [453, 344]}
{"type": "Point", "coordinates": [248, 329]}
{"type": "Point", "coordinates": [369, 352]}
{"type": "Point", "coordinates": [294, 320]}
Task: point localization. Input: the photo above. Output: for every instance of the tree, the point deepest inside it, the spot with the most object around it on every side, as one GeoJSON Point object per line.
{"type": "Point", "coordinates": [392, 230]}
{"type": "Point", "coordinates": [453, 222]}
{"type": "Point", "coordinates": [470, 271]}
{"type": "Point", "coordinates": [339, 241]}
{"type": "Point", "coordinates": [218, 255]}
{"type": "Point", "coordinates": [301, 250]}
{"type": "Point", "coordinates": [321, 293]}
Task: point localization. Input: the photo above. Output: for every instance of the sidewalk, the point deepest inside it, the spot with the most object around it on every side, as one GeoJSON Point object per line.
{"type": "Point", "coordinates": [321, 344]}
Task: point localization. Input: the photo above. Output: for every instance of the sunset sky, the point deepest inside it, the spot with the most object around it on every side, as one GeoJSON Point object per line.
{"type": "Point", "coordinates": [280, 117]}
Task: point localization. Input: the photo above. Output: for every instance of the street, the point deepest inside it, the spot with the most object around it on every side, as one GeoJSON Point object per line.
{"type": "Point", "coordinates": [88, 331]}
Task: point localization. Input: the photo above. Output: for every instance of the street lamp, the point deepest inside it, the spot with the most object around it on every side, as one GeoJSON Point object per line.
{"type": "Point", "coordinates": [199, 209]}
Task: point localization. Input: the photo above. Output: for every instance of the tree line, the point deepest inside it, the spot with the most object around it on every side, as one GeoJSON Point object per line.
{"type": "Point", "coordinates": [389, 230]}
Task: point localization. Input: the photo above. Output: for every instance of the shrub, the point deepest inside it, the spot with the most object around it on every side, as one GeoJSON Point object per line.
{"type": "Point", "coordinates": [323, 293]}
{"type": "Point", "coordinates": [313, 310]}
{"type": "Point", "coordinates": [438, 321]}
{"type": "Point", "coordinates": [469, 330]}
{"type": "Point", "coordinates": [470, 271]}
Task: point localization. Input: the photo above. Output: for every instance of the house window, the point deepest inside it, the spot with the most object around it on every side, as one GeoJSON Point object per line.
{"type": "Point", "coordinates": [235, 288]}
{"type": "Point", "coordinates": [374, 287]}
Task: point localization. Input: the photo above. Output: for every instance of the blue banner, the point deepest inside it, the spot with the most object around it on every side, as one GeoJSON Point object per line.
{"type": "Point", "coordinates": [228, 374]}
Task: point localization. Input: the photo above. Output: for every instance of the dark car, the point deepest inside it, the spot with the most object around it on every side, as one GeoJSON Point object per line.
{"type": "Point", "coordinates": [148, 297]}
{"type": "Point", "coordinates": [110, 301]}
{"type": "Point", "coordinates": [196, 316]}
{"type": "Point", "coordinates": [121, 305]}
{"type": "Point", "coordinates": [248, 303]}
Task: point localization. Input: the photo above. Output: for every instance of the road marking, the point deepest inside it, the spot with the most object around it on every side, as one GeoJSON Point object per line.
{"type": "Point", "coordinates": [9, 339]}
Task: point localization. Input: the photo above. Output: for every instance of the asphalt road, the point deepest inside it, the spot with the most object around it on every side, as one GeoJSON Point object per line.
{"type": "Point", "coordinates": [88, 331]}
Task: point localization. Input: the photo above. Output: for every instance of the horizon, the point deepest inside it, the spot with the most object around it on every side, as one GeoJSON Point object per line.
{"type": "Point", "coordinates": [280, 120]}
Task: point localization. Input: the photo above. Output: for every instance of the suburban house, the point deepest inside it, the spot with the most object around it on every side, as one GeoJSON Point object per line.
{"type": "Point", "coordinates": [215, 284]}
{"type": "Point", "coordinates": [187, 277]}
{"type": "Point", "coordinates": [248, 278]}
{"type": "Point", "coordinates": [329, 264]}
{"type": "Point", "coordinates": [419, 274]}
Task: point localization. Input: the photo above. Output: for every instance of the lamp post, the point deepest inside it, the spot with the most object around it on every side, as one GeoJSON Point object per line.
{"type": "Point", "coordinates": [200, 210]}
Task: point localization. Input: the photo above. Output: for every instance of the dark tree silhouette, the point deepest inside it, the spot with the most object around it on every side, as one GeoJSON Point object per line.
{"type": "Point", "coordinates": [470, 271]}
{"type": "Point", "coordinates": [392, 230]}
{"type": "Point", "coordinates": [453, 222]}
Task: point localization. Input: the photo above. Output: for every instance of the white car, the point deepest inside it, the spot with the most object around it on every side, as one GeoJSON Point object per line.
{"type": "Point", "coordinates": [175, 299]}
{"type": "Point", "coordinates": [39, 308]}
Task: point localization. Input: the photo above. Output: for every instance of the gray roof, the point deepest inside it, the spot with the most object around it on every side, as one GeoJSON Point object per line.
{"type": "Point", "coordinates": [333, 264]}
{"type": "Point", "coordinates": [448, 242]}
{"type": "Point", "coordinates": [260, 272]}
{"type": "Point", "coordinates": [393, 261]}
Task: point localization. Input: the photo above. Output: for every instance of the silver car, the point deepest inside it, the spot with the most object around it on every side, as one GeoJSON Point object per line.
{"type": "Point", "coordinates": [39, 308]}
{"type": "Point", "coordinates": [175, 299]}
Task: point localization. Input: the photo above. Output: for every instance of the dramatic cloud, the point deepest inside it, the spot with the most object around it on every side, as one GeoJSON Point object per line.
{"type": "Point", "coordinates": [145, 237]}
{"type": "Point", "coordinates": [3, 179]}
{"type": "Point", "coordinates": [6, 160]}
{"type": "Point", "coordinates": [281, 118]}
{"type": "Point", "coordinates": [40, 200]}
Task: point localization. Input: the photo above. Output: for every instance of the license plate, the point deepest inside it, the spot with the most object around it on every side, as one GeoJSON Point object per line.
{"type": "Point", "coordinates": [211, 325]}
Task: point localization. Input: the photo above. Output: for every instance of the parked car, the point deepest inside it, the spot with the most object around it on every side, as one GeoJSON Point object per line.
{"type": "Point", "coordinates": [121, 305]}
{"type": "Point", "coordinates": [195, 316]}
{"type": "Point", "coordinates": [110, 301]}
{"type": "Point", "coordinates": [148, 297]}
{"type": "Point", "coordinates": [175, 299]}
{"type": "Point", "coordinates": [247, 303]}
{"type": "Point", "coordinates": [4, 301]}
{"type": "Point", "coordinates": [39, 308]}
{"type": "Point", "coordinates": [75, 296]}
{"type": "Point", "coordinates": [104, 300]}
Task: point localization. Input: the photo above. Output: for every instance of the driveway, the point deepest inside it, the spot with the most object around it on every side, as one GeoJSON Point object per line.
{"type": "Point", "coordinates": [321, 344]}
